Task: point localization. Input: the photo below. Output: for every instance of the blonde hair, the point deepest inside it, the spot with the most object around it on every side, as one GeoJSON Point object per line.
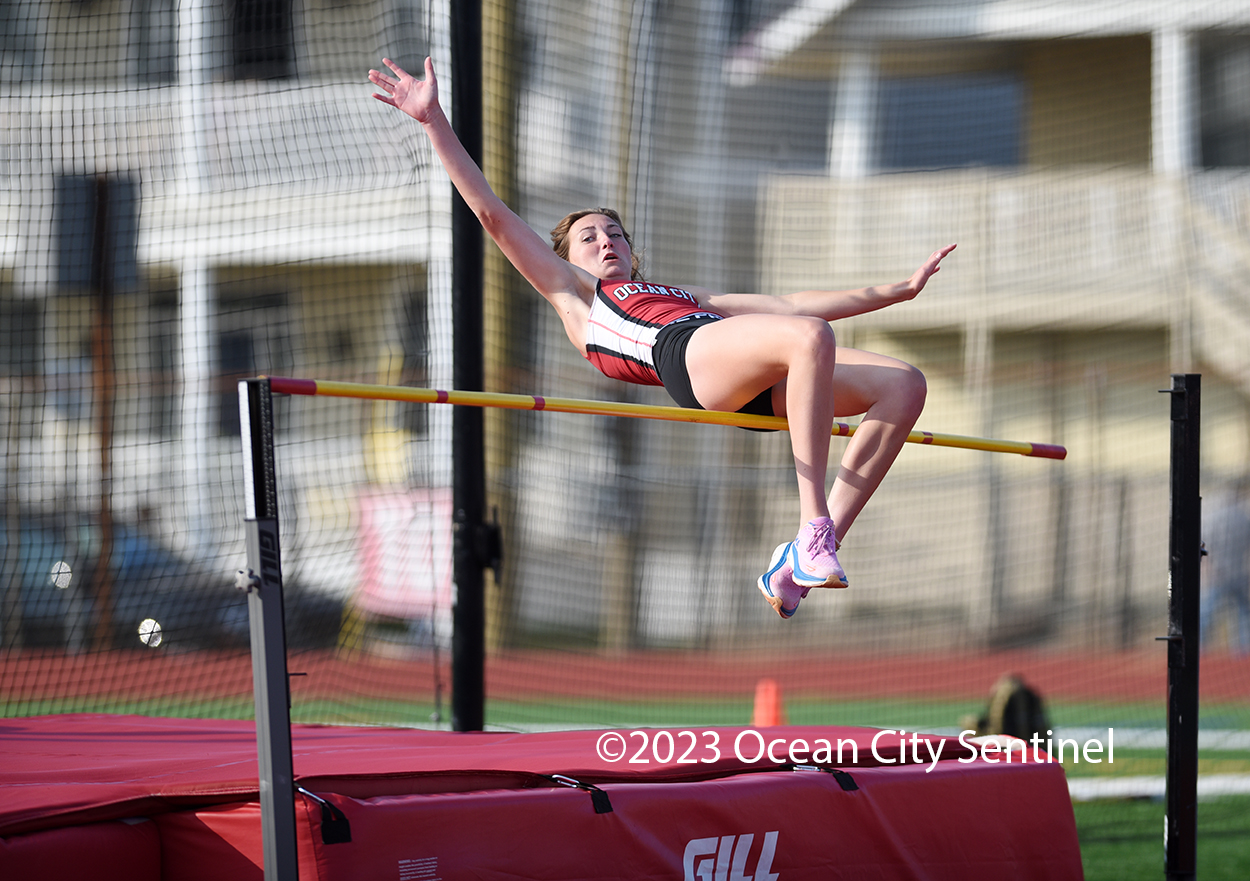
{"type": "Point", "coordinates": [560, 237]}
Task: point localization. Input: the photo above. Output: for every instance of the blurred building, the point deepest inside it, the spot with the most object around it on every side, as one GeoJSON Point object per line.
{"type": "Point", "coordinates": [262, 217]}
{"type": "Point", "coordinates": [1088, 159]}
{"type": "Point", "coordinates": [1085, 158]}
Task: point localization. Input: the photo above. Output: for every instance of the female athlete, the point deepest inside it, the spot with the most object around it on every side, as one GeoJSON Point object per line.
{"type": "Point", "coordinates": [732, 352]}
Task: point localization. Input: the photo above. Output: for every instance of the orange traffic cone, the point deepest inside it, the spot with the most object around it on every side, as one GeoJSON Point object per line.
{"type": "Point", "coordinates": [769, 709]}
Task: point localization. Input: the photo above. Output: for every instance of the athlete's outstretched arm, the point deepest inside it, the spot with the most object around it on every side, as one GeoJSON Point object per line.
{"type": "Point", "coordinates": [829, 305]}
{"type": "Point", "coordinates": [552, 276]}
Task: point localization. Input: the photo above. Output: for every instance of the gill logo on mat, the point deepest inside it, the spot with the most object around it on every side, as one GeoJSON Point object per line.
{"type": "Point", "coordinates": [725, 858]}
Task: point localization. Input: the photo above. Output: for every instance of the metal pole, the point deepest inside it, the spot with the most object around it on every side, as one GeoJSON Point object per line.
{"type": "Point", "coordinates": [104, 386]}
{"type": "Point", "coordinates": [1184, 555]}
{"type": "Point", "coordinates": [263, 582]}
{"type": "Point", "coordinates": [468, 641]}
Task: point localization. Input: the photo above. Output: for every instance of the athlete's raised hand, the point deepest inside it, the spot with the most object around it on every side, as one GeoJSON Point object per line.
{"type": "Point", "coordinates": [921, 276]}
{"type": "Point", "coordinates": [417, 98]}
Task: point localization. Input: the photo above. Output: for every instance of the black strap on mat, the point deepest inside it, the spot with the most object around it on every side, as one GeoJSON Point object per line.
{"type": "Point", "coordinates": [334, 826]}
{"type": "Point", "coordinates": [844, 779]}
{"type": "Point", "coordinates": [598, 797]}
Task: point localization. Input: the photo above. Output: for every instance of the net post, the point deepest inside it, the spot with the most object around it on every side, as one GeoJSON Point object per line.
{"type": "Point", "coordinates": [468, 647]}
{"type": "Point", "coordinates": [1184, 556]}
{"type": "Point", "coordinates": [262, 580]}
{"type": "Point", "coordinates": [104, 391]}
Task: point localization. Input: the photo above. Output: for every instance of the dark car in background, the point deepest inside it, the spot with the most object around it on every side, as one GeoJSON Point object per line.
{"type": "Point", "coordinates": [148, 597]}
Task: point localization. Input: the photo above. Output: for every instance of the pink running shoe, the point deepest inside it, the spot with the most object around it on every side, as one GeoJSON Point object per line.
{"type": "Point", "coordinates": [814, 557]}
{"type": "Point", "coordinates": [776, 585]}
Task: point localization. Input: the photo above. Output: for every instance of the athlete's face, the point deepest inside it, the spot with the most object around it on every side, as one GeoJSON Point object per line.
{"type": "Point", "coordinates": [597, 245]}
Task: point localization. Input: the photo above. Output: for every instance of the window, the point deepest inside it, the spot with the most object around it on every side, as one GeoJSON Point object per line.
{"type": "Point", "coordinates": [407, 28]}
{"type": "Point", "coordinates": [261, 37]}
{"type": "Point", "coordinates": [253, 337]}
{"type": "Point", "coordinates": [155, 48]}
{"type": "Point", "coordinates": [163, 340]}
{"type": "Point", "coordinates": [19, 41]}
{"type": "Point", "coordinates": [951, 121]}
{"type": "Point", "coordinates": [68, 368]}
{"type": "Point", "coordinates": [78, 220]}
{"type": "Point", "coordinates": [414, 340]}
{"type": "Point", "coordinates": [1224, 87]}
{"type": "Point", "coordinates": [20, 336]}
{"type": "Point", "coordinates": [746, 15]}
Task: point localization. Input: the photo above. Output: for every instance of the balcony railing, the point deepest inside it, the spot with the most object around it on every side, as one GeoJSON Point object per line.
{"type": "Point", "coordinates": [1054, 247]}
{"type": "Point", "coordinates": [322, 136]}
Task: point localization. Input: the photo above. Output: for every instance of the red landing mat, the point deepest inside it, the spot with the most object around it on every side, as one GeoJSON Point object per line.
{"type": "Point", "coordinates": [401, 805]}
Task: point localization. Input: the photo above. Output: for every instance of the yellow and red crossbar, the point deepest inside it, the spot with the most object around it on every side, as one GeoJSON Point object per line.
{"type": "Point", "coordinates": [288, 386]}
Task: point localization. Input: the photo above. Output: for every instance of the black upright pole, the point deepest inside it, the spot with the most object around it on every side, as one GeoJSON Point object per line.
{"type": "Point", "coordinates": [1184, 556]}
{"type": "Point", "coordinates": [104, 383]}
{"type": "Point", "coordinates": [468, 651]}
{"type": "Point", "coordinates": [262, 579]}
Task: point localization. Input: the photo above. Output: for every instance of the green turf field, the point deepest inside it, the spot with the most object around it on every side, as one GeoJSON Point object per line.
{"type": "Point", "coordinates": [911, 714]}
{"type": "Point", "coordinates": [1124, 839]}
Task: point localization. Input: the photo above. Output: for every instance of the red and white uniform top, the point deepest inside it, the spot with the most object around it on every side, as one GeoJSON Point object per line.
{"type": "Point", "coordinates": [625, 318]}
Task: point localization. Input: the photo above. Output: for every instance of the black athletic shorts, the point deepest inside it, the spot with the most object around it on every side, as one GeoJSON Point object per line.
{"type": "Point", "coordinates": [669, 355]}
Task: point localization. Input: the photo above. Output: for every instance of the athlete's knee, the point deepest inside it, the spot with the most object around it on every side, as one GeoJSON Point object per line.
{"type": "Point", "coordinates": [912, 389]}
{"type": "Point", "coordinates": [813, 337]}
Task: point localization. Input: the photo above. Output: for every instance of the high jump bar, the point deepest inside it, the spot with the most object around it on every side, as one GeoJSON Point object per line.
{"type": "Point", "coordinates": [288, 386]}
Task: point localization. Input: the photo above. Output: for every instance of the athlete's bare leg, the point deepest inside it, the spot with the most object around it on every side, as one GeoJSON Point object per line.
{"type": "Point", "coordinates": [732, 361]}
{"type": "Point", "coordinates": [891, 395]}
